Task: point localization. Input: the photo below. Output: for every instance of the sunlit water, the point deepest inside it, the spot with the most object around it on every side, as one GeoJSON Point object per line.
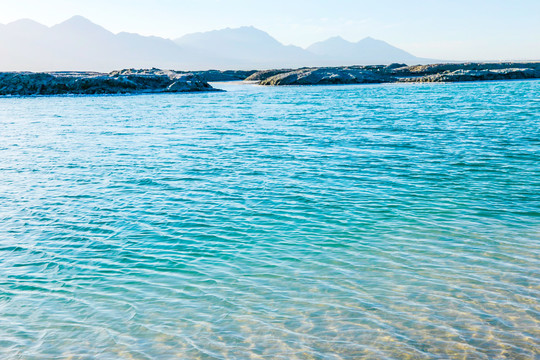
{"type": "Point", "coordinates": [348, 222]}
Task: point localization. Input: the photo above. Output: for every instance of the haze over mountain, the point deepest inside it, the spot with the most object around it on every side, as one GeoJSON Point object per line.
{"type": "Point", "coordinates": [247, 46]}
{"type": "Point", "coordinates": [339, 51]}
{"type": "Point", "coordinates": [79, 44]}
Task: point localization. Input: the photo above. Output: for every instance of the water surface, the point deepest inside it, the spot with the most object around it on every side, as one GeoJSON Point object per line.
{"type": "Point", "coordinates": [347, 222]}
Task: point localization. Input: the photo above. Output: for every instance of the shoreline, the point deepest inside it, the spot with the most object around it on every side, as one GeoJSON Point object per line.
{"type": "Point", "coordinates": [399, 73]}
{"type": "Point", "coordinates": [251, 83]}
{"type": "Point", "coordinates": [155, 81]}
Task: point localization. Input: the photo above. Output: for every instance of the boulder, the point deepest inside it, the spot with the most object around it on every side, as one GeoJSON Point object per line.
{"type": "Point", "coordinates": [188, 83]}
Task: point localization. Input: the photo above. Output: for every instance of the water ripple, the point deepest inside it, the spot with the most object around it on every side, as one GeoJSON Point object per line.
{"type": "Point", "coordinates": [346, 222]}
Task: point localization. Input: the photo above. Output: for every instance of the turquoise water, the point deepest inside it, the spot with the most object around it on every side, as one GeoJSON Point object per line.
{"type": "Point", "coordinates": [347, 222]}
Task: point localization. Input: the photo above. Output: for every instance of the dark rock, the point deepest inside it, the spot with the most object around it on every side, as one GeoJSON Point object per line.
{"type": "Point", "coordinates": [265, 74]}
{"type": "Point", "coordinates": [477, 75]}
{"type": "Point", "coordinates": [116, 82]}
{"type": "Point", "coordinates": [326, 76]}
{"type": "Point", "coordinates": [400, 73]}
{"type": "Point", "coordinates": [158, 80]}
{"type": "Point", "coordinates": [206, 75]}
{"type": "Point", "coordinates": [187, 83]}
{"type": "Point", "coordinates": [395, 66]}
{"type": "Point", "coordinates": [423, 70]}
{"type": "Point", "coordinates": [227, 75]}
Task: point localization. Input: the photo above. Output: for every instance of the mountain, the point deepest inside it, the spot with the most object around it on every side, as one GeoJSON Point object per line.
{"type": "Point", "coordinates": [25, 27]}
{"type": "Point", "coordinates": [250, 46]}
{"type": "Point", "coordinates": [247, 46]}
{"type": "Point", "coordinates": [339, 51]}
{"type": "Point", "coordinates": [20, 41]}
{"type": "Point", "coordinates": [79, 44]}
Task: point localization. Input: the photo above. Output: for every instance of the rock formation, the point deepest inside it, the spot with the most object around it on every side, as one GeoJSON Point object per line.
{"type": "Point", "coordinates": [399, 73]}
{"type": "Point", "coordinates": [224, 75]}
{"type": "Point", "coordinates": [161, 81]}
{"type": "Point", "coordinates": [326, 76]}
{"type": "Point", "coordinates": [265, 74]}
{"type": "Point", "coordinates": [116, 82]}
{"type": "Point", "coordinates": [477, 75]}
{"type": "Point", "coordinates": [431, 69]}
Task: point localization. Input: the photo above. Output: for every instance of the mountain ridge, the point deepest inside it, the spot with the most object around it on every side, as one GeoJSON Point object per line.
{"type": "Point", "coordinates": [79, 44]}
{"type": "Point", "coordinates": [247, 44]}
{"type": "Point", "coordinates": [369, 49]}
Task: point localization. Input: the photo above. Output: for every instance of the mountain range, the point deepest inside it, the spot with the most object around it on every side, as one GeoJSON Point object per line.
{"type": "Point", "coordinates": [79, 44]}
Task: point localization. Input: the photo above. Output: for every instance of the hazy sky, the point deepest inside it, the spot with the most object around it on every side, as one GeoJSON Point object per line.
{"type": "Point", "coordinates": [444, 29]}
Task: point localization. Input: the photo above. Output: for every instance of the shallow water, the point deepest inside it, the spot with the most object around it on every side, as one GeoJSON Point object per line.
{"type": "Point", "coordinates": [347, 222]}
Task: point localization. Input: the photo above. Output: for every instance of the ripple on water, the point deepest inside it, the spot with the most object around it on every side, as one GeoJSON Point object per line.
{"type": "Point", "coordinates": [396, 222]}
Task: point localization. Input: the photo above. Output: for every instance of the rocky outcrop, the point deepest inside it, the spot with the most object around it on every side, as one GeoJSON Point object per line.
{"type": "Point", "coordinates": [116, 82]}
{"type": "Point", "coordinates": [477, 75]}
{"type": "Point", "coordinates": [205, 75]}
{"type": "Point", "coordinates": [326, 76]}
{"type": "Point", "coordinates": [188, 83]}
{"type": "Point", "coordinates": [226, 75]}
{"type": "Point", "coordinates": [157, 80]}
{"type": "Point", "coordinates": [400, 73]}
{"type": "Point", "coordinates": [376, 69]}
{"type": "Point", "coordinates": [432, 69]}
{"type": "Point", "coordinates": [265, 74]}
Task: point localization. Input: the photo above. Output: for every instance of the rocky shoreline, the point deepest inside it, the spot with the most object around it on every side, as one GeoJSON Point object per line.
{"type": "Point", "coordinates": [396, 73]}
{"type": "Point", "coordinates": [127, 81]}
{"type": "Point", "coordinates": [135, 81]}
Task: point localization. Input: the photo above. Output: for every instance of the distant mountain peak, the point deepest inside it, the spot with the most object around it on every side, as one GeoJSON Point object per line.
{"type": "Point", "coordinates": [77, 19]}
{"type": "Point", "coordinates": [337, 37]}
{"type": "Point", "coordinates": [242, 30]}
{"type": "Point", "coordinates": [370, 40]}
{"type": "Point", "coordinates": [365, 51]}
{"type": "Point", "coordinates": [217, 38]}
{"type": "Point", "coordinates": [80, 44]}
{"type": "Point", "coordinates": [79, 23]}
{"type": "Point", "coordinates": [23, 21]}
{"type": "Point", "coordinates": [246, 27]}
{"type": "Point", "coordinates": [26, 24]}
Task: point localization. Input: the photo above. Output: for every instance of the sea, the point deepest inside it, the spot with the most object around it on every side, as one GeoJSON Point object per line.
{"type": "Point", "coordinates": [397, 221]}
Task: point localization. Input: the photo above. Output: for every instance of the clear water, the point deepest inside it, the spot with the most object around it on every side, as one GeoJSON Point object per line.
{"type": "Point", "coordinates": [376, 222]}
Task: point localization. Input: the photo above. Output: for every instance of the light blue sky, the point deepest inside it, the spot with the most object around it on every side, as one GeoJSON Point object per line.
{"type": "Point", "coordinates": [444, 29]}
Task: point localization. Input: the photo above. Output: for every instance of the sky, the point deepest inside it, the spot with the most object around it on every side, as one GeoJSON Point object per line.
{"type": "Point", "coordinates": [437, 29]}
